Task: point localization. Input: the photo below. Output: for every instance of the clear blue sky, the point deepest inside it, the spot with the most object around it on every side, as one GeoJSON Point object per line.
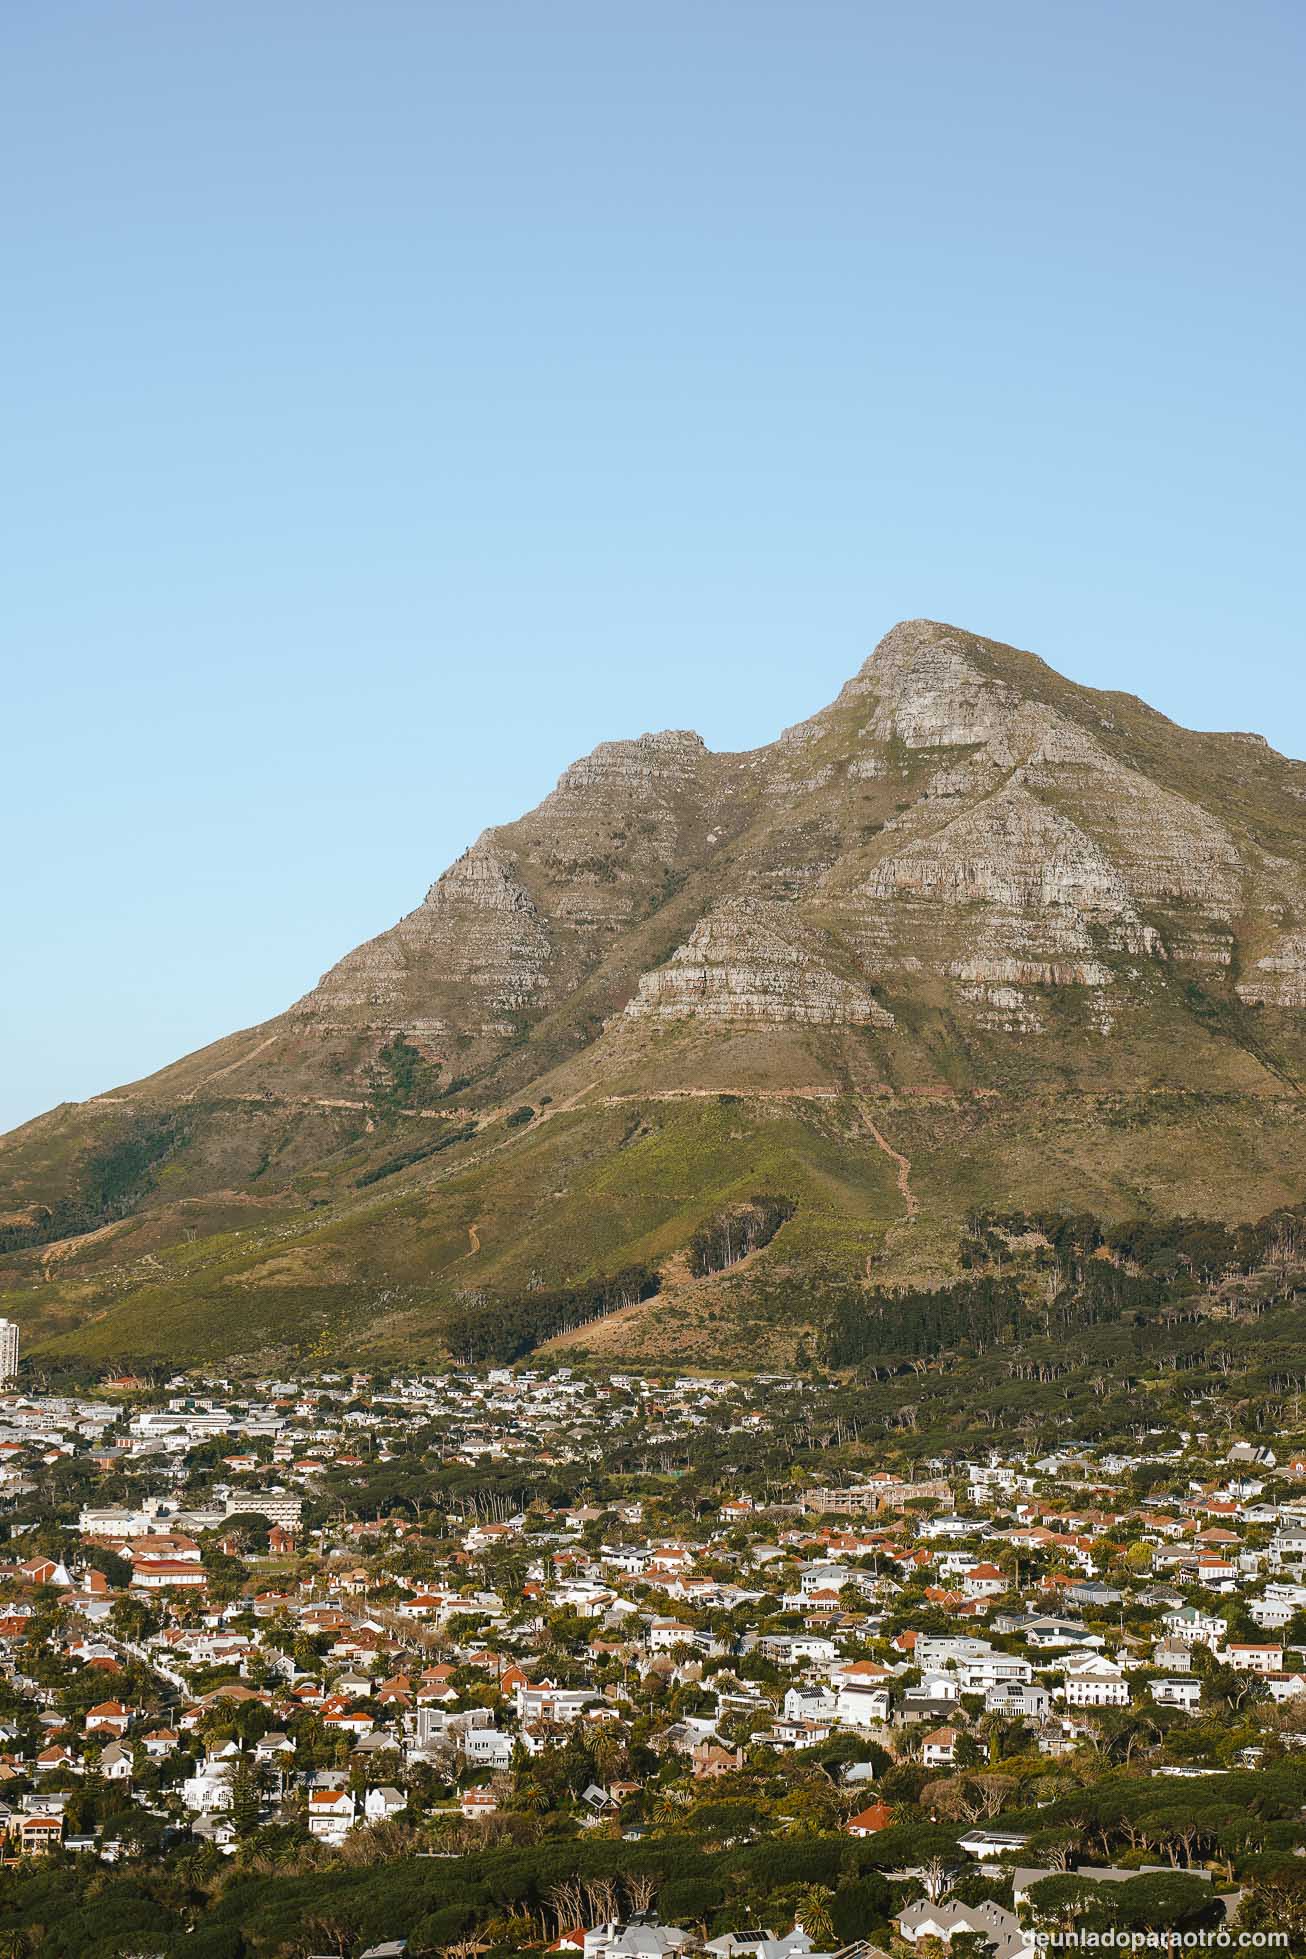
{"type": "Point", "coordinates": [400, 397]}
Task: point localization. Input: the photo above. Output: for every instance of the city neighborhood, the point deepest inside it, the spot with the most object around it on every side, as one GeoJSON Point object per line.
{"type": "Point", "coordinates": [964, 1701]}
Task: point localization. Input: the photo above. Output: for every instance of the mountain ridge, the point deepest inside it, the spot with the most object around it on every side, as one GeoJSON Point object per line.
{"type": "Point", "coordinates": [967, 879]}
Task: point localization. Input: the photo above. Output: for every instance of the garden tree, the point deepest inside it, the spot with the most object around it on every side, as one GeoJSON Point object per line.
{"type": "Point", "coordinates": [1166, 1901]}
{"type": "Point", "coordinates": [1065, 1901]}
{"type": "Point", "coordinates": [669, 1806]}
{"type": "Point", "coordinates": [934, 1874]}
{"type": "Point", "coordinates": [1276, 1902]}
{"type": "Point", "coordinates": [992, 1882]}
{"type": "Point", "coordinates": [1052, 1847]}
{"type": "Point", "coordinates": [903, 1782]}
{"type": "Point", "coordinates": [860, 1907]}
{"type": "Point", "coordinates": [382, 1765]}
{"type": "Point", "coordinates": [1228, 1687]}
{"type": "Point", "coordinates": [1154, 1901]}
{"type": "Point", "coordinates": [842, 1749]}
{"type": "Point", "coordinates": [226, 1575]}
{"type": "Point", "coordinates": [260, 1671]}
{"type": "Point", "coordinates": [810, 1798]}
{"type": "Point", "coordinates": [966, 1753]}
{"type": "Point", "coordinates": [641, 1888]}
{"type": "Point", "coordinates": [566, 1903]}
{"type": "Point", "coordinates": [812, 1912]}
{"type": "Point", "coordinates": [1120, 1732]}
{"type": "Point", "coordinates": [946, 1799]}
{"type": "Point", "coordinates": [81, 1690]}
{"type": "Point", "coordinates": [1002, 1737]}
{"type": "Point", "coordinates": [910, 1845]}
{"type": "Point", "coordinates": [984, 1796]}
{"type": "Point", "coordinates": [690, 1900]}
{"type": "Point", "coordinates": [116, 1569]}
{"type": "Point", "coordinates": [250, 1532]}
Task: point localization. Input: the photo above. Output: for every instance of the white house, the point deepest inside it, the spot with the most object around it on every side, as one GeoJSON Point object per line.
{"type": "Point", "coordinates": [986, 1843]}
{"type": "Point", "coordinates": [993, 1923]}
{"type": "Point", "coordinates": [938, 1747]}
{"type": "Point", "coordinates": [809, 1704]}
{"type": "Point", "coordinates": [1246, 1658]}
{"type": "Point", "coordinates": [331, 1814]}
{"type": "Point", "coordinates": [1189, 1624]}
{"type": "Point", "coordinates": [862, 1706]}
{"type": "Point", "coordinates": [1094, 1681]}
{"type": "Point", "coordinates": [487, 1747]}
{"type": "Point", "coordinates": [209, 1789]}
{"type": "Point", "coordinates": [382, 1803]}
{"type": "Point", "coordinates": [638, 1940]}
{"type": "Point", "coordinates": [546, 1702]}
{"type": "Point", "coordinates": [1019, 1702]}
{"type": "Point", "coordinates": [1184, 1691]}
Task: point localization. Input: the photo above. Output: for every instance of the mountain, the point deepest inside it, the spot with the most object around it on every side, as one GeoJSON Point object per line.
{"type": "Point", "coordinates": [973, 935]}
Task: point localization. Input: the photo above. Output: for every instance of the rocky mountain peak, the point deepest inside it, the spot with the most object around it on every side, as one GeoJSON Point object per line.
{"type": "Point", "coordinates": [1028, 922]}
{"type": "Point", "coordinates": [959, 816]}
{"type": "Point", "coordinates": [671, 756]}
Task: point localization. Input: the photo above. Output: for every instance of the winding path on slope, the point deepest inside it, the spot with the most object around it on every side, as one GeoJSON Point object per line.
{"type": "Point", "coordinates": [903, 1176]}
{"type": "Point", "coordinates": [903, 1163]}
{"type": "Point", "coordinates": [231, 1067]}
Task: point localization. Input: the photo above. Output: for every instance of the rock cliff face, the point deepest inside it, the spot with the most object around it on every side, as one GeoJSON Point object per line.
{"type": "Point", "coordinates": [1023, 849]}
{"type": "Point", "coordinates": [1278, 979]}
{"type": "Point", "coordinates": [961, 827]}
{"type": "Point", "coordinates": [753, 960]}
{"type": "Point", "coordinates": [529, 909]}
{"type": "Point", "coordinates": [475, 952]}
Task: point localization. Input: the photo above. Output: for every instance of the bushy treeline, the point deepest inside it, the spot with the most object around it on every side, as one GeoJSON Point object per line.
{"type": "Point", "coordinates": [87, 1913]}
{"type": "Point", "coordinates": [111, 1181]}
{"type": "Point", "coordinates": [694, 1874]}
{"type": "Point", "coordinates": [509, 1329]}
{"type": "Point", "coordinates": [1051, 1274]}
{"type": "Point", "coordinates": [402, 1079]}
{"type": "Point", "coordinates": [734, 1232]}
{"type": "Point", "coordinates": [1241, 1813]}
{"type": "Point", "coordinates": [418, 1154]}
{"type": "Point", "coordinates": [1205, 1248]}
{"type": "Point", "coordinates": [886, 1328]}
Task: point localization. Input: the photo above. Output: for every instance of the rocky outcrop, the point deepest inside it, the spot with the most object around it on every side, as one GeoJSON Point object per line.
{"type": "Point", "coordinates": [473, 954]}
{"type": "Point", "coordinates": [635, 769]}
{"type": "Point", "coordinates": [754, 961]}
{"type": "Point", "coordinates": [523, 915]}
{"type": "Point", "coordinates": [1279, 978]}
{"type": "Point", "coordinates": [1014, 851]}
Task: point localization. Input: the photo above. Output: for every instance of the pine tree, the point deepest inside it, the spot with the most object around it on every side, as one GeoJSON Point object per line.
{"type": "Point", "coordinates": [246, 1803]}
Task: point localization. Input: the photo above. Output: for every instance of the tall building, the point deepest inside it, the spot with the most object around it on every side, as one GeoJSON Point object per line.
{"type": "Point", "coordinates": [8, 1352]}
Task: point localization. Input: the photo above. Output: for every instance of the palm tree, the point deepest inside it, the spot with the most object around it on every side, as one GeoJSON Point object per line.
{"type": "Point", "coordinates": [669, 1805]}
{"type": "Point", "coordinates": [812, 1912]}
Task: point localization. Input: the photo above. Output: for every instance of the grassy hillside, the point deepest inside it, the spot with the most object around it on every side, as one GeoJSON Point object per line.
{"type": "Point", "coordinates": [880, 1187]}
